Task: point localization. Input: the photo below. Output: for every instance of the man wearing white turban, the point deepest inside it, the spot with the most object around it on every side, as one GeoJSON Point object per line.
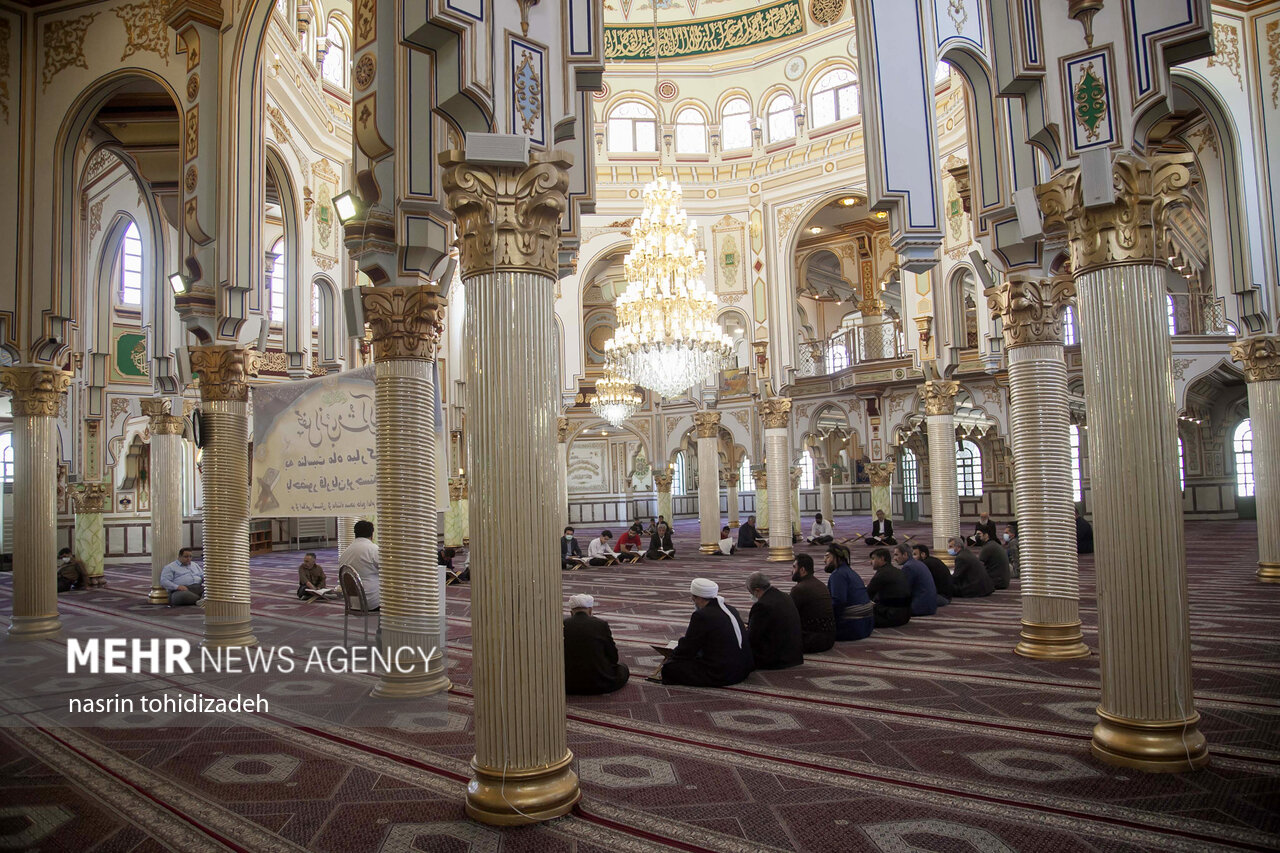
{"type": "Point", "coordinates": [590, 657]}
{"type": "Point", "coordinates": [713, 651]}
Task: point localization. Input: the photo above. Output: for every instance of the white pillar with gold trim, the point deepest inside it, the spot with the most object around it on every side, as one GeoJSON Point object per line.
{"type": "Point", "coordinates": [1260, 357]}
{"type": "Point", "coordinates": [707, 425]}
{"type": "Point", "coordinates": [776, 412]}
{"type": "Point", "coordinates": [166, 490]}
{"type": "Point", "coordinates": [89, 537]}
{"type": "Point", "coordinates": [730, 481]}
{"type": "Point", "coordinates": [940, 409]}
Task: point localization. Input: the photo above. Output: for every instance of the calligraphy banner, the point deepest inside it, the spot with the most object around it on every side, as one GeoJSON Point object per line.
{"type": "Point", "coordinates": [315, 447]}
{"type": "Point", "coordinates": [635, 41]}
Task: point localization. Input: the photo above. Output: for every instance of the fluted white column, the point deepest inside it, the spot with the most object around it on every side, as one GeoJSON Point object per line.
{"type": "Point", "coordinates": [776, 412]}
{"type": "Point", "coordinates": [37, 392]}
{"type": "Point", "coordinates": [826, 500]}
{"type": "Point", "coordinates": [562, 469]}
{"type": "Point", "coordinates": [708, 427]}
{"type": "Point", "coordinates": [1260, 357]}
{"type": "Point", "coordinates": [166, 491]}
{"type": "Point", "coordinates": [731, 496]}
{"type": "Point", "coordinates": [940, 408]}
{"type": "Point", "coordinates": [662, 482]}
{"type": "Point", "coordinates": [760, 475]}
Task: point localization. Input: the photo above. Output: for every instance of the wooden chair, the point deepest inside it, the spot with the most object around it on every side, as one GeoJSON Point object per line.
{"type": "Point", "coordinates": [352, 591]}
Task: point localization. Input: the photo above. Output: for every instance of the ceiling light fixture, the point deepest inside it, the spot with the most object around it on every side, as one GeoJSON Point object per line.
{"type": "Point", "coordinates": [816, 229]}
{"type": "Point", "coordinates": [880, 214]}
{"type": "Point", "coordinates": [615, 399]}
{"type": "Point", "coordinates": [848, 201]}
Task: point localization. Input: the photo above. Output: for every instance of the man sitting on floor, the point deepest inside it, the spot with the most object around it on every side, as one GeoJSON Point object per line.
{"type": "Point", "coordinates": [725, 548]}
{"type": "Point", "coordinates": [184, 580]}
{"type": "Point", "coordinates": [629, 544]}
{"type": "Point", "coordinates": [821, 532]}
{"type": "Point", "coordinates": [813, 603]}
{"type": "Point", "coordinates": [660, 545]}
{"type": "Point", "coordinates": [599, 553]}
{"type": "Point", "coordinates": [591, 662]}
{"type": "Point", "coordinates": [311, 577]}
{"type": "Point", "coordinates": [773, 626]}
{"type": "Point", "coordinates": [984, 525]}
{"type": "Point", "coordinates": [364, 556]}
{"type": "Point", "coordinates": [1010, 539]}
{"type": "Point", "coordinates": [714, 651]}
{"type": "Point", "coordinates": [854, 613]}
{"type": "Point", "coordinates": [749, 536]}
{"type": "Point", "coordinates": [881, 531]}
{"type": "Point", "coordinates": [570, 551]}
{"type": "Point", "coordinates": [970, 579]}
{"type": "Point", "coordinates": [71, 572]}
{"type": "Point", "coordinates": [890, 590]}
{"type": "Point", "coordinates": [995, 559]}
{"type": "Point", "coordinates": [937, 569]}
{"type": "Point", "coordinates": [1084, 534]}
{"type": "Point", "coordinates": [925, 600]}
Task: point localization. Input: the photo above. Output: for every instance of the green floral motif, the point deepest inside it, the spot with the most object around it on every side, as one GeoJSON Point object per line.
{"type": "Point", "coordinates": [1091, 102]}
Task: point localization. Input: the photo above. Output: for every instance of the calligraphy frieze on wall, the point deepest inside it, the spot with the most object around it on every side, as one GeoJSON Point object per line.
{"type": "Point", "coordinates": [758, 26]}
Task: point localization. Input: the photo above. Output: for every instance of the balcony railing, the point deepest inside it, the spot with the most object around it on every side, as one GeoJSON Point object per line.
{"type": "Point", "coordinates": [882, 341]}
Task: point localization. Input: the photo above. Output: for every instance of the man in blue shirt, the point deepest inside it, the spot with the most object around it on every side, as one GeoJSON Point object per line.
{"type": "Point", "coordinates": [184, 580]}
{"type": "Point", "coordinates": [925, 600]}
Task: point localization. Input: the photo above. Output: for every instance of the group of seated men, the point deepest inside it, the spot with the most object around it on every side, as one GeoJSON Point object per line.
{"type": "Point", "coordinates": [600, 551]}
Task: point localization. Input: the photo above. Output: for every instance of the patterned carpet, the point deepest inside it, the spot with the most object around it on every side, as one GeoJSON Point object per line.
{"type": "Point", "coordinates": [929, 737]}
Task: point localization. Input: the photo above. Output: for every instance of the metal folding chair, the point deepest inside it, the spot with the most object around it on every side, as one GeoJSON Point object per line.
{"type": "Point", "coordinates": [352, 591]}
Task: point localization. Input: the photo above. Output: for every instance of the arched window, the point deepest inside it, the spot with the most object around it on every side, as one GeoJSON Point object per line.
{"type": "Point", "coordinates": [1172, 311]}
{"type": "Point", "coordinates": [781, 118]}
{"type": "Point", "coordinates": [691, 132]}
{"type": "Point", "coordinates": [735, 125]}
{"type": "Point", "coordinates": [129, 291]}
{"type": "Point", "coordinates": [746, 483]}
{"type": "Point", "coordinates": [835, 98]}
{"type": "Point", "coordinates": [1243, 444]}
{"type": "Point", "coordinates": [969, 470]}
{"type": "Point", "coordinates": [632, 128]}
{"type": "Point", "coordinates": [1182, 465]}
{"type": "Point", "coordinates": [315, 307]}
{"type": "Point", "coordinates": [1077, 474]}
{"type": "Point", "coordinates": [275, 281]}
{"type": "Point", "coordinates": [910, 476]}
{"type": "Point", "coordinates": [677, 475]}
{"type": "Point", "coordinates": [967, 296]}
{"type": "Point", "coordinates": [334, 67]}
{"type": "Point", "coordinates": [807, 478]}
{"type": "Point", "coordinates": [1069, 326]}
{"type": "Point", "coordinates": [6, 458]}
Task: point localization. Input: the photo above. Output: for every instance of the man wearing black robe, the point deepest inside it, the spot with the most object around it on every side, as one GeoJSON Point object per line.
{"type": "Point", "coordinates": [984, 525]}
{"type": "Point", "coordinates": [773, 626]}
{"type": "Point", "coordinates": [714, 651]}
{"type": "Point", "coordinates": [590, 656]}
{"type": "Point", "coordinates": [813, 603]}
{"type": "Point", "coordinates": [890, 590]}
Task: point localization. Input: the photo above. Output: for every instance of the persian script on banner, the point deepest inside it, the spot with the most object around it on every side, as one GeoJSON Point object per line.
{"type": "Point", "coordinates": [315, 447]}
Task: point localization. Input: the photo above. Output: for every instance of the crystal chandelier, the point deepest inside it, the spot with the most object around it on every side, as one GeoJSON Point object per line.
{"type": "Point", "coordinates": [615, 399]}
{"type": "Point", "coordinates": [667, 337]}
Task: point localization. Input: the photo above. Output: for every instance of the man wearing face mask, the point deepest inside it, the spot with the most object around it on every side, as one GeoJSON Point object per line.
{"type": "Point", "coordinates": [773, 626]}
{"type": "Point", "coordinates": [850, 604]}
{"type": "Point", "coordinates": [813, 603]}
{"type": "Point", "coordinates": [1010, 538]}
{"type": "Point", "coordinates": [570, 551]}
{"type": "Point", "coordinates": [970, 579]}
{"type": "Point", "coordinates": [71, 572]}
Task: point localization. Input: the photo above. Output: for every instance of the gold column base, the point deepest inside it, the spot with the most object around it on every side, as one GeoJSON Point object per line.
{"type": "Point", "coordinates": [223, 635]}
{"type": "Point", "coordinates": [781, 554]}
{"type": "Point", "coordinates": [734, 524]}
{"type": "Point", "coordinates": [1152, 747]}
{"type": "Point", "coordinates": [24, 628]}
{"type": "Point", "coordinates": [1052, 642]}
{"type": "Point", "coordinates": [410, 685]}
{"type": "Point", "coordinates": [708, 549]}
{"type": "Point", "coordinates": [158, 595]}
{"type": "Point", "coordinates": [1269, 572]}
{"type": "Point", "coordinates": [519, 797]}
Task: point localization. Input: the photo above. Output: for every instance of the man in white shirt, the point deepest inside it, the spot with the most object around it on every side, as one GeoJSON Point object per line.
{"type": "Point", "coordinates": [184, 580]}
{"type": "Point", "coordinates": [362, 555]}
{"type": "Point", "coordinates": [821, 532]}
{"type": "Point", "coordinates": [599, 553]}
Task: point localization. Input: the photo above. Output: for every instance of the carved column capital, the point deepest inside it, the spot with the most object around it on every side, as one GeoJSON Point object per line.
{"type": "Point", "coordinates": [1128, 230]}
{"type": "Point", "coordinates": [729, 478]}
{"type": "Point", "coordinates": [707, 424]}
{"type": "Point", "coordinates": [1030, 308]}
{"type": "Point", "coordinates": [940, 397]}
{"type": "Point", "coordinates": [1260, 357]}
{"type": "Point", "coordinates": [224, 371]}
{"type": "Point", "coordinates": [880, 473]}
{"type": "Point", "coordinates": [161, 422]}
{"type": "Point", "coordinates": [760, 477]}
{"type": "Point", "coordinates": [662, 481]}
{"type": "Point", "coordinates": [824, 476]}
{"type": "Point", "coordinates": [458, 489]}
{"type": "Point", "coordinates": [776, 412]}
{"type": "Point", "coordinates": [37, 389]}
{"type": "Point", "coordinates": [406, 321]}
{"type": "Point", "coordinates": [89, 498]}
{"type": "Point", "coordinates": [795, 478]}
{"type": "Point", "coordinates": [508, 217]}
{"type": "Point", "coordinates": [562, 430]}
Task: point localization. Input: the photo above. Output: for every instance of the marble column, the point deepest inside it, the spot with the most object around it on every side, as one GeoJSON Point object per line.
{"type": "Point", "coordinates": [1030, 310]}
{"type": "Point", "coordinates": [166, 490]}
{"type": "Point", "coordinates": [89, 537]}
{"type": "Point", "coordinates": [662, 482]}
{"type": "Point", "coordinates": [730, 481]}
{"type": "Point", "coordinates": [940, 410]}
{"type": "Point", "coordinates": [37, 392]}
{"type": "Point", "coordinates": [563, 430]}
{"type": "Point", "coordinates": [881, 476]}
{"type": "Point", "coordinates": [776, 412]}
{"type": "Point", "coordinates": [1147, 716]}
{"type": "Point", "coordinates": [406, 321]}
{"type": "Point", "coordinates": [508, 224]}
{"type": "Point", "coordinates": [456, 516]}
{"type": "Point", "coordinates": [224, 402]}
{"type": "Point", "coordinates": [760, 476]}
{"type": "Point", "coordinates": [1261, 360]}
{"type": "Point", "coordinates": [826, 501]}
{"type": "Point", "coordinates": [707, 425]}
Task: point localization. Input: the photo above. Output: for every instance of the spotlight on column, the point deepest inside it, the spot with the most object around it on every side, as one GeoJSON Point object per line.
{"type": "Point", "coordinates": [347, 206]}
{"type": "Point", "coordinates": [179, 283]}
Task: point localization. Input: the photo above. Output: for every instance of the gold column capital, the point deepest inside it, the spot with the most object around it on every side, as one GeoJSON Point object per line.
{"type": "Point", "coordinates": [508, 217]}
{"type": "Point", "coordinates": [563, 428]}
{"type": "Point", "coordinates": [795, 478]}
{"type": "Point", "coordinates": [775, 411]}
{"type": "Point", "coordinates": [729, 478]}
{"type": "Point", "coordinates": [458, 490]}
{"type": "Point", "coordinates": [224, 371]}
{"type": "Point", "coordinates": [406, 321]}
{"type": "Point", "coordinates": [1126, 231]}
{"type": "Point", "coordinates": [871, 307]}
{"type": "Point", "coordinates": [37, 389]}
{"type": "Point", "coordinates": [824, 476]}
{"type": "Point", "coordinates": [1260, 357]}
{"type": "Point", "coordinates": [760, 477]}
{"type": "Point", "coordinates": [880, 473]}
{"type": "Point", "coordinates": [1031, 308]}
{"type": "Point", "coordinates": [707, 424]}
{"type": "Point", "coordinates": [940, 397]}
{"type": "Point", "coordinates": [161, 422]}
{"type": "Point", "coordinates": [89, 498]}
{"type": "Point", "coordinates": [662, 480]}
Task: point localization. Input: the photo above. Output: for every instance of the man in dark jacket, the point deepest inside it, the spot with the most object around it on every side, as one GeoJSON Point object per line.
{"type": "Point", "coordinates": [881, 531]}
{"type": "Point", "coordinates": [773, 626]}
{"type": "Point", "coordinates": [813, 603]}
{"type": "Point", "coordinates": [984, 525]}
{"type": "Point", "coordinates": [970, 579]}
{"type": "Point", "coordinates": [890, 590]}
{"type": "Point", "coordinates": [590, 657]}
{"type": "Point", "coordinates": [569, 550]}
{"type": "Point", "coordinates": [925, 600]}
{"type": "Point", "coordinates": [71, 572]}
{"type": "Point", "coordinates": [749, 536]}
{"type": "Point", "coordinates": [996, 561]}
{"type": "Point", "coordinates": [1084, 534]}
{"type": "Point", "coordinates": [938, 569]}
{"type": "Point", "coordinates": [714, 651]}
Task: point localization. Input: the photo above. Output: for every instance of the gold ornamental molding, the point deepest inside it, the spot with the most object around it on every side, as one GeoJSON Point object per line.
{"type": "Point", "coordinates": [224, 371]}
{"type": "Point", "coordinates": [729, 478]}
{"type": "Point", "coordinates": [89, 498]}
{"type": "Point", "coordinates": [662, 481]}
{"type": "Point", "coordinates": [508, 217]}
{"type": "Point", "coordinates": [1260, 357]}
{"type": "Point", "coordinates": [37, 390]}
{"type": "Point", "coordinates": [776, 411]}
{"type": "Point", "coordinates": [406, 321]}
{"type": "Point", "coordinates": [880, 473]}
{"type": "Point", "coordinates": [458, 490]}
{"type": "Point", "coordinates": [1128, 230]}
{"type": "Point", "coordinates": [940, 397]}
{"type": "Point", "coordinates": [562, 430]}
{"type": "Point", "coordinates": [1031, 308]}
{"type": "Point", "coordinates": [161, 422]}
{"type": "Point", "coordinates": [707, 424]}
